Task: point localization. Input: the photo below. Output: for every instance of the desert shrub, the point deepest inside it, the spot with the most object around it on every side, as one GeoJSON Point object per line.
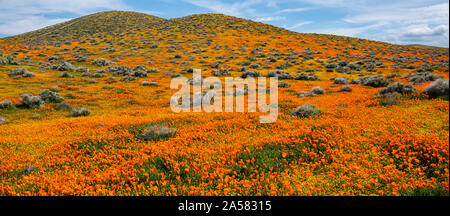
{"type": "Point", "coordinates": [344, 69]}
{"type": "Point", "coordinates": [438, 89]}
{"type": "Point", "coordinates": [341, 80]}
{"type": "Point", "coordinates": [4, 61]}
{"type": "Point", "coordinates": [51, 97]}
{"type": "Point", "coordinates": [330, 65]}
{"type": "Point", "coordinates": [82, 70]}
{"type": "Point", "coordinates": [139, 71]}
{"type": "Point", "coordinates": [62, 106]}
{"type": "Point", "coordinates": [376, 81]}
{"type": "Point", "coordinates": [65, 66]}
{"type": "Point", "coordinates": [304, 76]}
{"type": "Point", "coordinates": [80, 111]}
{"type": "Point", "coordinates": [128, 78]}
{"type": "Point", "coordinates": [3, 121]}
{"type": "Point", "coordinates": [119, 71]}
{"type": "Point", "coordinates": [215, 65]}
{"type": "Point", "coordinates": [5, 104]}
{"type": "Point", "coordinates": [246, 74]}
{"type": "Point", "coordinates": [254, 66]}
{"type": "Point", "coordinates": [423, 77]}
{"type": "Point", "coordinates": [17, 71]}
{"type": "Point", "coordinates": [30, 101]}
{"type": "Point", "coordinates": [195, 81]}
{"type": "Point", "coordinates": [390, 76]}
{"type": "Point", "coordinates": [306, 94]}
{"type": "Point", "coordinates": [398, 88]}
{"type": "Point", "coordinates": [318, 90]}
{"type": "Point", "coordinates": [280, 74]}
{"type": "Point", "coordinates": [154, 45]}
{"type": "Point", "coordinates": [28, 74]}
{"type": "Point", "coordinates": [147, 83]}
{"type": "Point", "coordinates": [157, 132]}
{"type": "Point", "coordinates": [345, 88]}
{"type": "Point", "coordinates": [373, 81]}
{"type": "Point", "coordinates": [67, 75]}
{"type": "Point", "coordinates": [284, 85]}
{"type": "Point", "coordinates": [101, 62]}
{"type": "Point", "coordinates": [152, 70]}
{"type": "Point", "coordinates": [97, 75]}
{"type": "Point", "coordinates": [305, 111]}
{"type": "Point", "coordinates": [221, 72]}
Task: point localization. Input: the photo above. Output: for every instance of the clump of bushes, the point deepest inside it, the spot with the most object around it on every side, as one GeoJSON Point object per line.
{"type": "Point", "coordinates": [147, 83]}
{"type": "Point", "coordinates": [221, 72]}
{"type": "Point", "coordinates": [30, 101]}
{"type": "Point", "coordinates": [246, 74]}
{"type": "Point", "coordinates": [65, 66]}
{"type": "Point", "coordinates": [314, 91]}
{"type": "Point", "coordinates": [67, 75]}
{"type": "Point", "coordinates": [157, 132]}
{"type": "Point", "coordinates": [4, 61]}
{"type": "Point", "coordinates": [119, 70]}
{"type": "Point", "coordinates": [305, 111]}
{"type": "Point", "coordinates": [423, 77]}
{"type": "Point", "coordinates": [341, 80]}
{"type": "Point", "coordinates": [64, 105]}
{"type": "Point", "coordinates": [20, 72]}
{"type": "Point", "coordinates": [3, 121]}
{"type": "Point", "coordinates": [80, 111]}
{"type": "Point", "coordinates": [51, 97]}
{"type": "Point", "coordinates": [345, 88]}
{"type": "Point", "coordinates": [139, 71]}
{"type": "Point", "coordinates": [280, 74]}
{"type": "Point", "coordinates": [101, 62]}
{"type": "Point", "coordinates": [438, 89]}
{"type": "Point", "coordinates": [318, 90]}
{"type": "Point", "coordinates": [5, 104]}
{"type": "Point", "coordinates": [373, 81]}
{"type": "Point", "coordinates": [284, 85]}
{"type": "Point", "coordinates": [398, 87]}
{"type": "Point", "coordinates": [310, 77]}
{"type": "Point", "coordinates": [82, 70]}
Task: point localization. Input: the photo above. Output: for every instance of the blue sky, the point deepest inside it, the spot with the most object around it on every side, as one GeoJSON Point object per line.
{"type": "Point", "coordinates": [395, 21]}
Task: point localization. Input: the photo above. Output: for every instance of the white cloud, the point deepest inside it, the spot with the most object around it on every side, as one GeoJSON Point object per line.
{"type": "Point", "coordinates": [420, 33]}
{"type": "Point", "coordinates": [293, 10]}
{"type": "Point", "coordinates": [395, 21]}
{"type": "Point", "coordinates": [27, 23]}
{"type": "Point", "coordinates": [269, 19]}
{"type": "Point", "coordinates": [235, 9]}
{"type": "Point", "coordinates": [26, 15]}
{"type": "Point", "coordinates": [298, 25]}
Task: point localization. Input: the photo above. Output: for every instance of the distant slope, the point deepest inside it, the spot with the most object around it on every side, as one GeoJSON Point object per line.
{"type": "Point", "coordinates": [125, 21]}
{"type": "Point", "coordinates": [102, 22]}
{"type": "Point", "coordinates": [201, 23]}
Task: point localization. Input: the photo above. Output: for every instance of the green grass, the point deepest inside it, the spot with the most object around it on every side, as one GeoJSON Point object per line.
{"type": "Point", "coordinates": [437, 190]}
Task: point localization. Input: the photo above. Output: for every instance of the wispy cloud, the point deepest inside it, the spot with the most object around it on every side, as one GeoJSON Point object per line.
{"type": "Point", "coordinates": [26, 15]}
{"type": "Point", "coordinates": [269, 19]}
{"type": "Point", "coordinates": [239, 8]}
{"type": "Point", "coordinates": [293, 10]}
{"type": "Point", "coordinates": [298, 25]}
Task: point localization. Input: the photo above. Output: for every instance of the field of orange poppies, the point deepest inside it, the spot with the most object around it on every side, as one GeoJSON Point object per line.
{"type": "Point", "coordinates": [100, 130]}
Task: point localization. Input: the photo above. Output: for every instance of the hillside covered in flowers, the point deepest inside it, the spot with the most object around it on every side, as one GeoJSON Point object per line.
{"type": "Point", "coordinates": [84, 110]}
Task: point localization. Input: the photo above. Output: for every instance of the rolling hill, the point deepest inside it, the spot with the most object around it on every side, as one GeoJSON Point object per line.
{"type": "Point", "coordinates": [102, 22]}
